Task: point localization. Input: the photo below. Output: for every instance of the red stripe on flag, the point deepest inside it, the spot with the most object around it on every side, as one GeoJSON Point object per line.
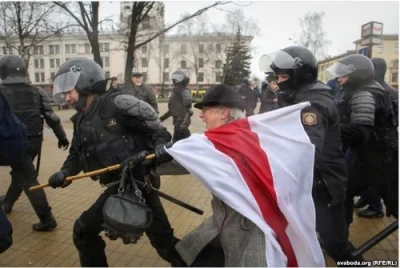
{"type": "Point", "coordinates": [237, 141]}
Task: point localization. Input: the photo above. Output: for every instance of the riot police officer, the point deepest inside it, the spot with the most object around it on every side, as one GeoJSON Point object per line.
{"type": "Point", "coordinates": [141, 91]}
{"type": "Point", "coordinates": [179, 106]}
{"type": "Point", "coordinates": [29, 104]}
{"type": "Point", "coordinates": [109, 127]}
{"type": "Point", "coordinates": [368, 130]}
{"type": "Point", "coordinates": [297, 72]}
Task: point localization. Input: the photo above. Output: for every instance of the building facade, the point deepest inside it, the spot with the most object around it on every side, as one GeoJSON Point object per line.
{"type": "Point", "coordinates": [201, 57]}
{"type": "Point", "coordinates": [388, 50]}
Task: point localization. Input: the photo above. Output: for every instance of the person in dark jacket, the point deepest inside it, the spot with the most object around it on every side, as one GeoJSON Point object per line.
{"type": "Point", "coordinates": [30, 105]}
{"type": "Point", "coordinates": [110, 128]}
{"type": "Point", "coordinates": [368, 129]}
{"type": "Point", "coordinates": [269, 97]}
{"type": "Point", "coordinates": [335, 86]}
{"type": "Point", "coordinates": [141, 91]}
{"type": "Point", "coordinates": [297, 71]}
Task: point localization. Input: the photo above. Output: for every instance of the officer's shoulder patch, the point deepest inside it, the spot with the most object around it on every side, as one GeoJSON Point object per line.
{"type": "Point", "coordinates": [309, 119]}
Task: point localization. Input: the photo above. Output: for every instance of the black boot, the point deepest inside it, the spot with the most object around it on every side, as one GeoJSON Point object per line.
{"type": "Point", "coordinates": [369, 213]}
{"type": "Point", "coordinates": [360, 203]}
{"type": "Point", "coordinates": [7, 208]}
{"type": "Point", "coordinates": [47, 223]}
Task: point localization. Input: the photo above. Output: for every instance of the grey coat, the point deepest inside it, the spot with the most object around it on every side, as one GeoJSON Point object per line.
{"type": "Point", "coordinates": [242, 241]}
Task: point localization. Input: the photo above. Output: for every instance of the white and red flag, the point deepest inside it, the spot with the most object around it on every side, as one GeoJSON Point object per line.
{"type": "Point", "coordinates": [262, 167]}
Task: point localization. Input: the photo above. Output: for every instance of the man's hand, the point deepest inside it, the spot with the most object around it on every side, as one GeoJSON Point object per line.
{"type": "Point", "coordinates": [162, 154]}
{"type": "Point", "coordinates": [63, 143]}
{"type": "Point", "coordinates": [58, 180]}
{"type": "Point", "coordinates": [134, 160]}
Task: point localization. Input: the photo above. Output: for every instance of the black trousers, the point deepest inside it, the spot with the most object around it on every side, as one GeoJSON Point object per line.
{"type": "Point", "coordinates": [89, 225]}
{"type": "Point", "coordinates": [24, 176]}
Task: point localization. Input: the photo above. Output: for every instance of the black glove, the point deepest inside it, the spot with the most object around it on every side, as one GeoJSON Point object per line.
{"type": "Point", "coordinates": [58, 180]}
{"type": "Point", "coordinates": [134, 160]}
{"type": "Point", "coordinates": [161, 153]}
{"type": "Point", "coordinates": [63, 143]}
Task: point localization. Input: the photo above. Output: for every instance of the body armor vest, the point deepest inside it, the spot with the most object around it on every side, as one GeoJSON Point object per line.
{"type": "Point", "coordinates": [101, 140]}
{"type": "Point", "coordinates": [25, 103]}
{"type": "Point", "coordinates": [176, 104]}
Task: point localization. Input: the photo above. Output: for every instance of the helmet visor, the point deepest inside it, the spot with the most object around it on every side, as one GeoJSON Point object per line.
{"type": "Point", "coordinates": [281, 59]}
{"type": "Point", "coordinates": [63, 83]}
{"type": "Point", "coordinates": [339, 69]}
{"type": "Point", "coordinates": [178, 76]}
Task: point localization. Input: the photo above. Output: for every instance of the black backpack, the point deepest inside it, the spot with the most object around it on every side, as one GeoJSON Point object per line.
{"type": "Point", "coordinates": [13, 135]}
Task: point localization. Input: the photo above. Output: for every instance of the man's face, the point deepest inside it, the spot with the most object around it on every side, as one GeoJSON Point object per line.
{"type": "Point", "coordinates": [137, 80]}
{"type": "Point", "coordinates": [253, 84]}
{"type": "Point", "coordinates": [115, 84]}
{"type": "Point", "coordinates": [71, 97]}
{"type": "Point", "coordinates": [214, 116]}
{"type": "Point", "coordinates": [273, 85]}
{"type": "Point", "coordinates": [282, 78]}
{"type": "Point", "coordinates": [343, 80]}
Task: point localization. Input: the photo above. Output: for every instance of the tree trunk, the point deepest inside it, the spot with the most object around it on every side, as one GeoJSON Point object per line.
{"type": "Point", "coordinates": [94, 43]}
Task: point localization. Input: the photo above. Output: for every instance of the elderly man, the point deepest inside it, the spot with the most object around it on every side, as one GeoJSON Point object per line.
{"type": "Point", "coordinates": [217, 241]}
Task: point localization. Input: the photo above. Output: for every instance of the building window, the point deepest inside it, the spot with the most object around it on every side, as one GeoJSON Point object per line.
{"type": "Point", "coordinates": [39, 63]}
{"type": "Point", "coordinates": [218, 77]}
{"type": "Point", "coordinates": [87, 48]}
{"type": "Point", "coordinates": [127, 7]}
{"type": "Point", "coordinates": [379, 49]}
{"type": "Point", "coordinates": [54, 63]}
{"type": "Point", "coordinates": [38, 50]}
{"type": "Point", "coordinates": [70, 49]}
{"type": "Point", "coordinates": [218, 48]}
{"type": "Point", "coordinates": [144, 49]}
{"type": "Point", "coordinates": [104, 47]}
{"type": "Point", "coordinates": [218, 64]}
{"type": "Point", "coordinates": [395, 77]}
{"type": "Point", "coordinates": [54, 49]}
{"type": "Point", "coordinates": [396, 48]}
{"type": "Point", "coordinates": [210, 48]}
{"type": "Point", "coordinates": [200, 77]}
{"type": "Point", "coordinates": [395, 64]}
{"type": "Point", "coordinates": [183, 64]}
{"type": "Point", "coordinates": [201, 63]}
{"type": "Point", "coordinates": [144, 76]}
{"type": "Point", "coordinates": [166, 63]}
{"type": "Point", "coordinates": [183, 48]}
{"type": "Point", "coordinates": [166, 76]}
{"type": "Point", "coordinates": [107, 74]}
{"type": "Point", "coordinates": [166, 49]}
{"type": "Point", "coordinates": [106, 61]}
{"type": "Point", "coordinates": [201, 48]}
{"type": "Point", "coordinates": [39, 77]}
{"type": "Point", "coordinates": [7, 50]}
{"type": "Point", "coordinates": [52, 74]}
{"type": "Point", "coordinates": [145, 63]}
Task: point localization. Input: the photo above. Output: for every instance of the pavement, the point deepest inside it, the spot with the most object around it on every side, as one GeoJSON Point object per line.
{"type": "Point", "coordinates": [56, 248]}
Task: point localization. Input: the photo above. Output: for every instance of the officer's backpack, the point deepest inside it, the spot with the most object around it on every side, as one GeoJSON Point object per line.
{"type": "Point", "coordinates": [13, 135]}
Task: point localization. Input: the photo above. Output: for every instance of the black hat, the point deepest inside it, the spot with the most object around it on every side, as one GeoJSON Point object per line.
{"type": "Point", "coordinates": [221, 95]}
{"type": "Point", "coordinates": [137, 74]}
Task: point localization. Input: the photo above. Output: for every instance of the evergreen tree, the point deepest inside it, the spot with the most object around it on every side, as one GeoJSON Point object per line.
{"type": "Point", "coordinates": [237, 62]}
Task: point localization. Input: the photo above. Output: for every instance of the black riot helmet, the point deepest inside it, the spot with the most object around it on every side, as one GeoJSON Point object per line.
{"type": "Point", "coordinates": [358, 68]}
{"type": "Point", "coordinates": [82, 74]}
{"type": "Point", "coordinates": [296, 61]}
{"type": "Point", "coordinates": [380, 69]}
{"type": "Point", "coordinates": [179, 78]}
{"type": "Point", "coordinates": [13, 70]}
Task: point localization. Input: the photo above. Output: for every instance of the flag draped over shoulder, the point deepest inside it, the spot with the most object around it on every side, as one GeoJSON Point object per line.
{"type": "Point", "coordinates": [262, 167]}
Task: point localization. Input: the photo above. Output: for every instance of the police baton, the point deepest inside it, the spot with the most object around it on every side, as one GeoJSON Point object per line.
{"type": "Point", "coordinates": [171, 199]}
{"type": "Point", "coordinates": [87, 174]}
{"type": "Point", "coordinates": [376, 239]}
